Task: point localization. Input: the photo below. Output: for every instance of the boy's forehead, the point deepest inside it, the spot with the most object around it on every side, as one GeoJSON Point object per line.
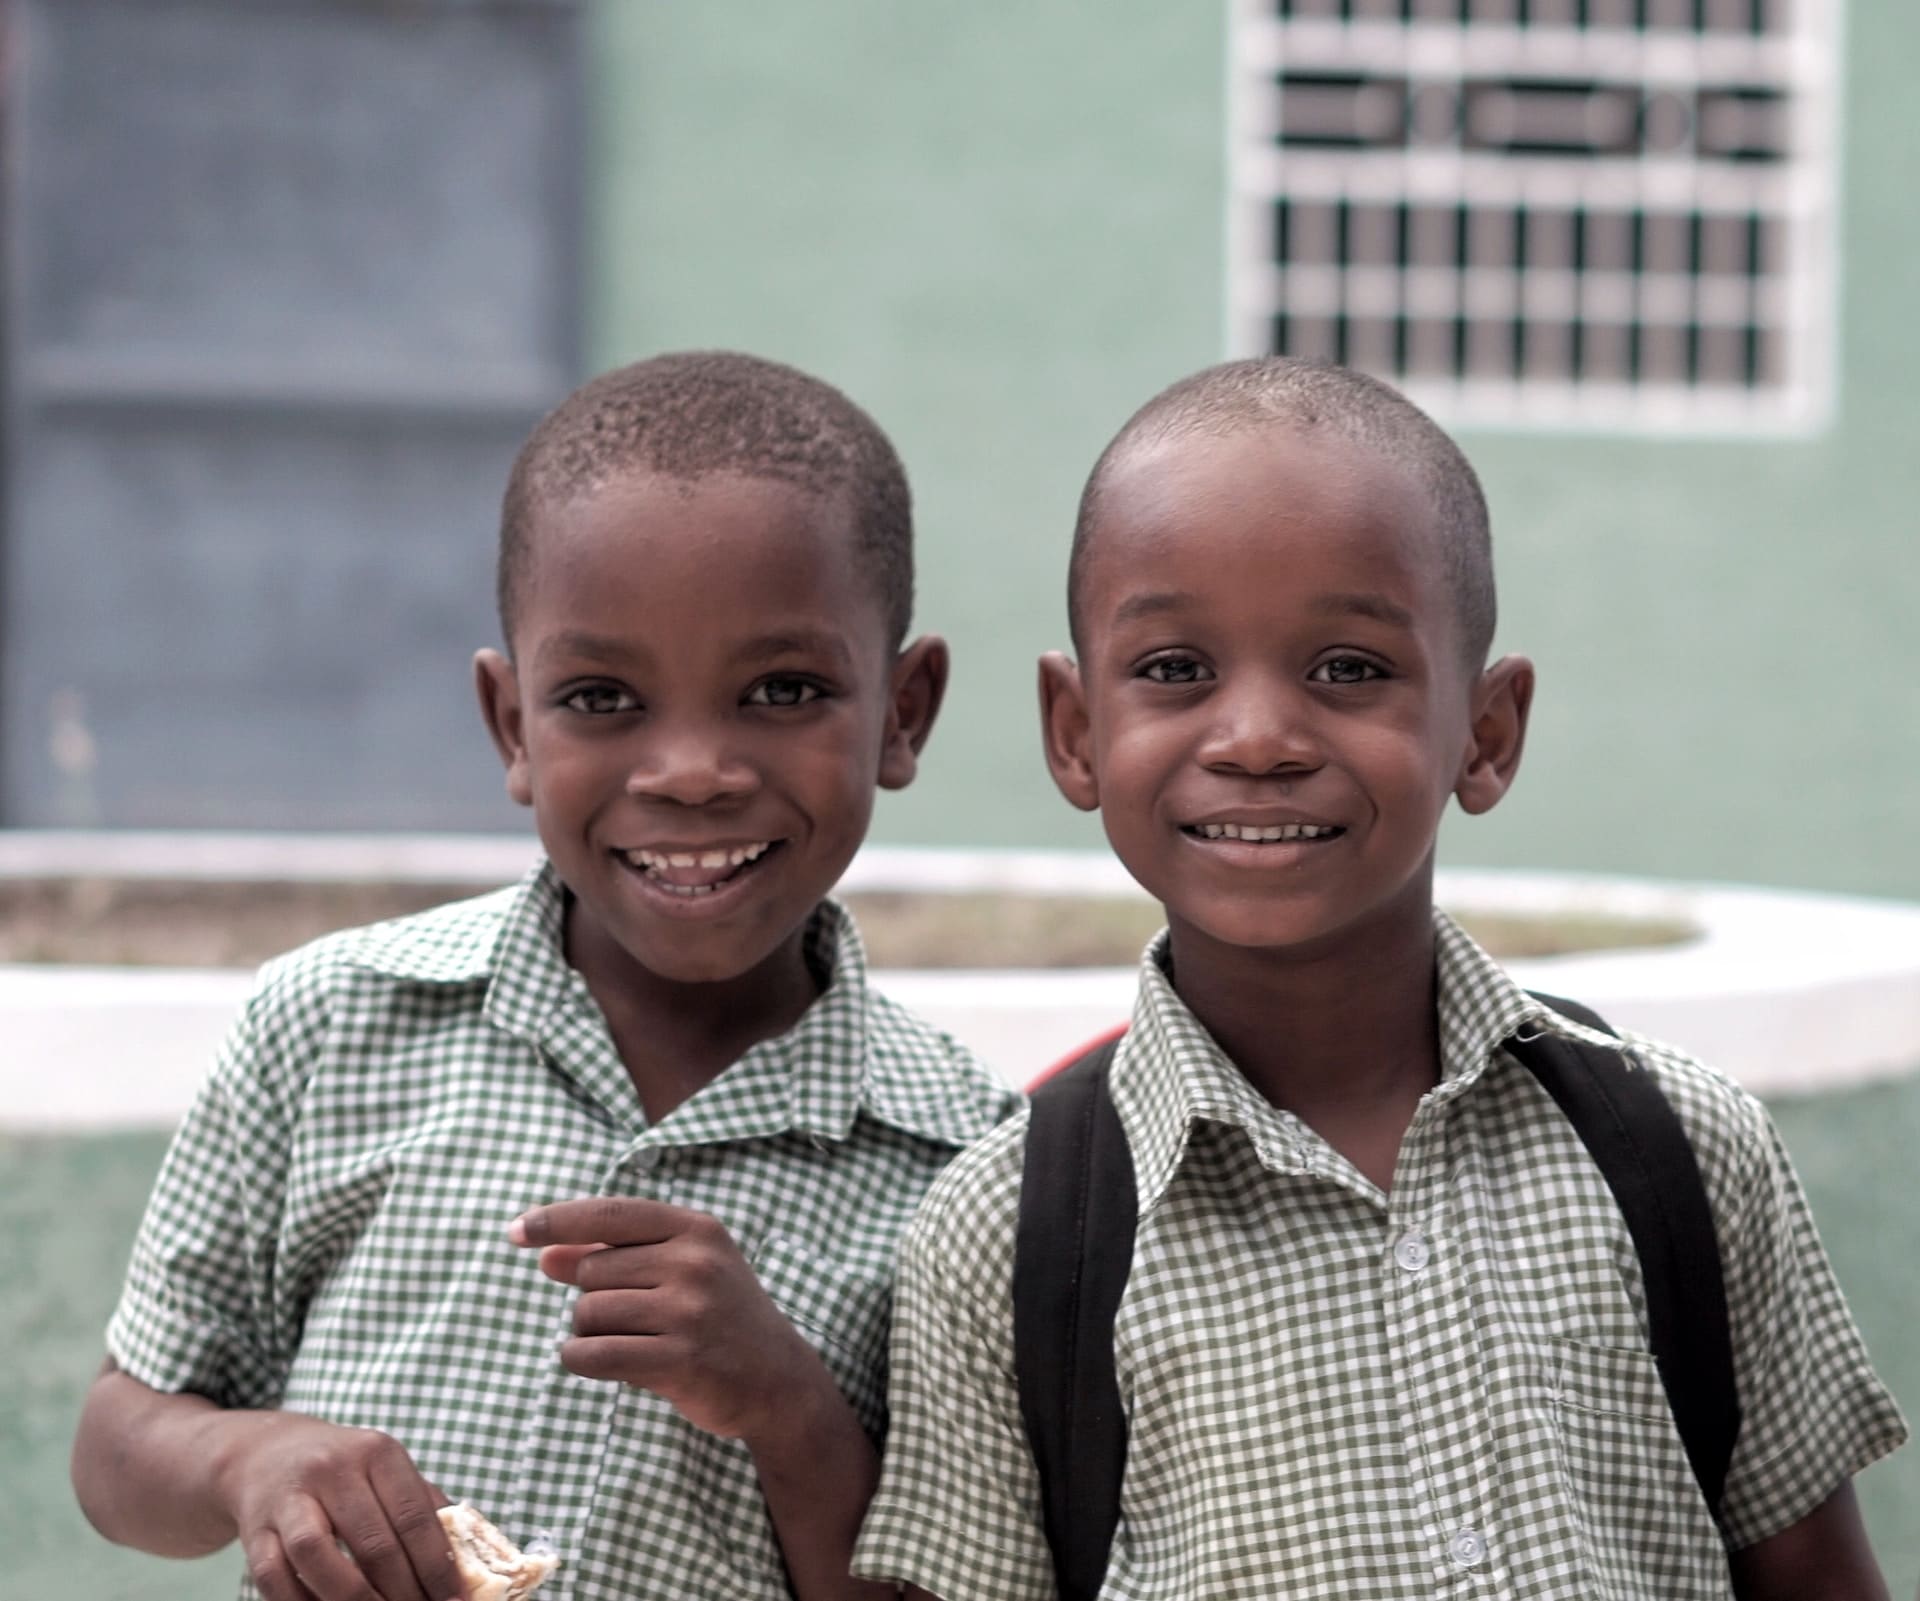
{"type": "Point", "coordinates": [1182, 497]}
{"type": "Point", "coordinates": [720, 543]}
{"type": "Point", "coordinates": [664, 527]}
{"type": "Point", "coordinates": [641, 504]}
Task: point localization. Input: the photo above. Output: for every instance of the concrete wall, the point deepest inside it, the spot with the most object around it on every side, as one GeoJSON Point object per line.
{"type": "Point", "coordinates": [1000, 228]}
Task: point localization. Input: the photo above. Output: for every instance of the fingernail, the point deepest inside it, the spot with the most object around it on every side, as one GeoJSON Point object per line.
{"type": "Point", "coordinates": [517, 1230]}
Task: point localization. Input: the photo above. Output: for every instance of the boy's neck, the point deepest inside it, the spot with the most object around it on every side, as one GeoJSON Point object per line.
{"type": "Point", "coordinates": [676, 1038]}
{"type": "Point", "coordinates": [1346, 1038]}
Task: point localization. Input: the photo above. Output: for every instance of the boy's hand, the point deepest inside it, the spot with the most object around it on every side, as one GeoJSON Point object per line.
{"type": "Point", "coordinates": [670, 1305]}
{"type": "Point", "coordinates": [298, 1489]}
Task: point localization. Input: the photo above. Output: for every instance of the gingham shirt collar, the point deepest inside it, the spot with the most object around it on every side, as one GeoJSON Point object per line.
{"type": "Point", "coordinates": [802, 1079]}
{"type": "Point", "coordinates": [1168, 1072]}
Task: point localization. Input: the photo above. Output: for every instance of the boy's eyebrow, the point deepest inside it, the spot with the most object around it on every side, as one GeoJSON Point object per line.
{"type": "Point", "coordinates": [1150, 604]}
{"type": "Point", "coordinates": [794, 642]}
{"type": "Point", "coordinates": [574, 642]}
{"type": "Point", "coordinates": [578, 642]}
{"type": "Point", "coordinates": [1378, 607]}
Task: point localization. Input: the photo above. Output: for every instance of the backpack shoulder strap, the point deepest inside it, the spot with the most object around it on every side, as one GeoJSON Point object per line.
{"type": "Point", "coordinates": [1072, 1254]}
{"type": "Point", "coordinates": [1637, 1141]}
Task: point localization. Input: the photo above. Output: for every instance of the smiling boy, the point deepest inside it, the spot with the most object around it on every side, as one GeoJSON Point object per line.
{"type": "Point", "coordinates": [656, 1062]}
{"type": "Point", "coordinates": [1384, 1332]}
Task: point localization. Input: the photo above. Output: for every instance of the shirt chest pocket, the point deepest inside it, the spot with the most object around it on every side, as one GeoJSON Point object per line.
{"type": "Point", "coordinates": [842, 1311]}
{"type": "Point", "coordinates": [1645, 1529]}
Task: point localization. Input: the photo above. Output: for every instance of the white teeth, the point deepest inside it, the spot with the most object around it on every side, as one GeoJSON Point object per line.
{"type": "Point", "coordinates": [1266, 836]}
{"type": "Point", "coordinates": [736, 856]}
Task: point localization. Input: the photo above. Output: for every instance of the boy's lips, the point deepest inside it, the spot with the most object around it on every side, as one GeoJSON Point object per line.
{"type": "Point", "coordinates": [694, 870]}
{"type": "Point", "coordinates": [1263, 833]}
{"type": "Point", "coordinates": [1248, 844]}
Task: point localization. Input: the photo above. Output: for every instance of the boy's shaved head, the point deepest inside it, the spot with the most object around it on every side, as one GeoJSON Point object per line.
{"type": "Point", "coordinates": [696, 413]}
{"type": "Point", "coordinates": [1315, 397]}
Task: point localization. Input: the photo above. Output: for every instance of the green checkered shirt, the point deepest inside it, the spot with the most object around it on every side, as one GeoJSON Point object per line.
{"type": "Point", "coordinates": [1443, 1391]}
{"type": "Point", "coordinates": [329, 1231]}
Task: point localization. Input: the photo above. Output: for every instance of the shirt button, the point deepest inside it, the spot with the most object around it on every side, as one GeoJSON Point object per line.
{"type": "Point", "coordinates": [1468, 1547]}
{"type": "Point", "coordinates": [645, 1160]}
{"type": "Point", "coordinates": [1412, 1252]}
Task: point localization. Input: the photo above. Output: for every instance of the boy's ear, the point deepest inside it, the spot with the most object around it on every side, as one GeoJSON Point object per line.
{"type": "Point", "coordinates": [500, 707]}
{"type": "Point", "coordinates": [1065, 731]}
{"type": "Point", "coordinates": [1501, 700]}
{"type": "Point", "coordinates": [918, 687]}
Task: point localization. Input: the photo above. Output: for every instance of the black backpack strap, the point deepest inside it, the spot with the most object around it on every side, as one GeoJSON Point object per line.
{"type": "Point", "coordinates": [1072, 1255]}
{"type": "Point", "coordinates": [1636, 1139]}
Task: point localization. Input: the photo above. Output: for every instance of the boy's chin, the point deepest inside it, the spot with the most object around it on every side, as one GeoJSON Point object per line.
{"type": "Point", "coordinates": [1299, 932]}
{"type": "Point", "coordinates": [618, 941]}
{"type": "Point", "coordinates": [691, 959]}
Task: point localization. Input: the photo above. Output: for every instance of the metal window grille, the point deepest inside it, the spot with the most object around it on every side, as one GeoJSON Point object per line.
{"type": "Point", "coordinates": [1610, 214]}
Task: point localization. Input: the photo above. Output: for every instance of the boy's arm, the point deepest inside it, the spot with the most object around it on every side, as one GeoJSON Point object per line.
{"type": "Point", "coordinates": [177, 1476]}
{"type": "Point", "coordinates": [179, 1449]}
{"type": "Point", "coordinates": [817, 1471]}
{"type": "Point", "coordinates": [1823, 1557]}
{"type": "Point", "coordinates": [669, 1304]}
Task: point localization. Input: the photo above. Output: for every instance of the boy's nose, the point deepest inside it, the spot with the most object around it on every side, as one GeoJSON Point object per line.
{"type": "Point", "coordinates": [689, 769]}
{"type": "Point", "coordinates": [1262, 731]}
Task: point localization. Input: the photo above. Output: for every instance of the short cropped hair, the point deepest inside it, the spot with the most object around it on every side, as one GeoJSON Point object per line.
{"type": "Point", "coordinates": [1316, 397]}
{"type": "Point", "coordinates": [690, 414]}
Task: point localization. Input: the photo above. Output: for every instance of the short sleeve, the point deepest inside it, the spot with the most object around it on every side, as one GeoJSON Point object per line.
{"type": "Point", "coordinates": [196, 1312]}
{"type": "Point", "coordinates": [1813, 1412]}
{"type": "Point", "coordinates": [957, 1511]}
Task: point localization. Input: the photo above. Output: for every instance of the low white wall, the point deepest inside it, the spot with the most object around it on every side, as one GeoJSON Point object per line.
{"type": "Point", "coordinates": [1789, 992]}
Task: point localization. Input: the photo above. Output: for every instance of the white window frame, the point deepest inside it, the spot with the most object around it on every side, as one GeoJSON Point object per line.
{"type": "Point", "coordinates": [1800, 59]}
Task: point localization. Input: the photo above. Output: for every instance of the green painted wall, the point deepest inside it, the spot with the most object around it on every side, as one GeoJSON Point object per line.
{"type": "Point", "coordinates": [1000, 229]}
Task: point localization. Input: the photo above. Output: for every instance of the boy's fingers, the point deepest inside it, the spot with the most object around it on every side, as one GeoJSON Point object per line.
{"type": "Point", "coordinates": [381, 1556]}
{"type": "Point", "coordinates": [601, 1220]}
{"type": "Point", "coordinates": [623, 1267]}
{"type": "Point", "coordinates": [412, 1507]}
{"type": "Point", "coordinates": [272, 1573]}
{"type": "Point", "coordinates": [619, 1312]}
{"type": "Point", "coordinates": [317, 1561]}
{"type": "Point", "coordinates": [562, 1262]}
{"type": "Point", "coordinates": [638, 1359]}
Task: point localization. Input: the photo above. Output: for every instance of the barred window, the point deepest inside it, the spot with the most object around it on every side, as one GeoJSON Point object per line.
{"type": "Point", "coordinates": [1614, 214]}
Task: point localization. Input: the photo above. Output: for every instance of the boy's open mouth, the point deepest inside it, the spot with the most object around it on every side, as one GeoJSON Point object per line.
{"type": "Point", "coordinates": [692, 873]}
{"type": "Point", "coordinates": [1266, 834]}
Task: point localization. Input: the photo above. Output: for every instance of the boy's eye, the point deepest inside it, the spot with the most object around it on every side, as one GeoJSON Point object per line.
{"type": "Point", "coordinates": [599, 700]}
{"type": "Point", "coordinates": [1175, 670]}
{"type": "Point", "coordinates": [783, 692]}
{"type": "Point", "coordinates": [1345, 670]}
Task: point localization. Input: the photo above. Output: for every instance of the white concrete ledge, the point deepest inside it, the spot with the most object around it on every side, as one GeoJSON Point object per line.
{"type": "Point", "coordinates": [1792, 993]}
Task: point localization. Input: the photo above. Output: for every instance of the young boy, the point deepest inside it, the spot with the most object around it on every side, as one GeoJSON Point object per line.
{"type": "Point", "coordinates": [1383, 1334]}
{"type": "Point", "coordinates": [654, 1070]}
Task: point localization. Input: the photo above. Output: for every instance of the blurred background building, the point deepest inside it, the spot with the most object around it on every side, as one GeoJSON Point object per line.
{"type": "Point", "coordinates": [286, 280]}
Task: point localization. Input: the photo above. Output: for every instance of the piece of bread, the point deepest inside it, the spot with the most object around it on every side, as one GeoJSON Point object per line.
{"type": "Point", "coordinates": [490, 1567]}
